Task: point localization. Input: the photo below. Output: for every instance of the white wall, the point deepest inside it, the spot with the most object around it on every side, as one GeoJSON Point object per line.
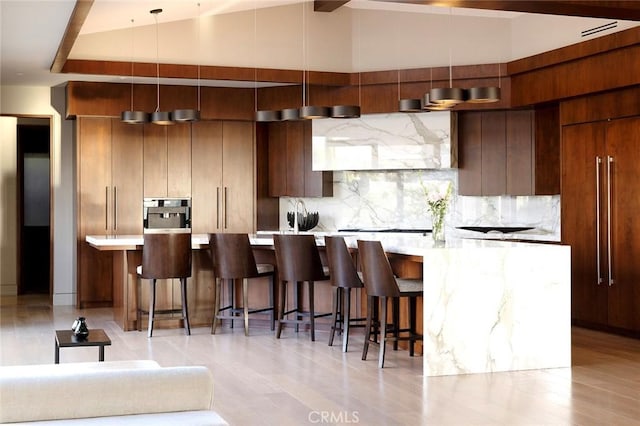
{"type": "Point", "coordinates": [37, 101]}
{"type": "Point", "coordinates": [8, 173]}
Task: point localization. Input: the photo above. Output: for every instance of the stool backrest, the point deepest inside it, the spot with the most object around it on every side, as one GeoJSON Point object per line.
{"type": "Point", "coordinates": [166, 255]}
{"type": "Point", "coordinates": [343, 270]}
{"type": "Point", "coordinates": [298, 258]}
{"type": "Point", "coordinates": [232, 256]}
{"type": "Point", "coordinates": [376, 270]}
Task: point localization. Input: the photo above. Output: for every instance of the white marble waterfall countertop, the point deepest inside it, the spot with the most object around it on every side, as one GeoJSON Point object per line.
{"type": "Point", "coordinates": [488, 305]}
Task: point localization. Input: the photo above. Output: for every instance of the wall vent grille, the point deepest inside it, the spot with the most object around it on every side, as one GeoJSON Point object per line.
{"type": "Point", "coordinates": [595, 30]}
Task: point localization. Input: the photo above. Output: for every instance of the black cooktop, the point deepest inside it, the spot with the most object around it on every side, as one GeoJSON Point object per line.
{"type": "Point", "coordinates": [399, 230]}
{"type": "Point", "coordinates": [503, 229]}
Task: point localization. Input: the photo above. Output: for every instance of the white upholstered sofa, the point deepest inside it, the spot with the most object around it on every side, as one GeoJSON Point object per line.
{"type": "Point", "coordinates": [107, 393]}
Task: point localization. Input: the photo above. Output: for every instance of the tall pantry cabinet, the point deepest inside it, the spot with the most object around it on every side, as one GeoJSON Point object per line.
{"type": "Point", "coordinates": [109, 201]}
{"type": "Point", "coordinates": [600, 203]}
{"type": "Point", "coordinates": [223, 180]}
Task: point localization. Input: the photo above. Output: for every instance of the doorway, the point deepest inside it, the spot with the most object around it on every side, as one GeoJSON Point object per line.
{"type": "Point", "coordinates": [33, 137]}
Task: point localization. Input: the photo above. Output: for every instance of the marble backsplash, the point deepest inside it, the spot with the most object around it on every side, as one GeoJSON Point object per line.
{"type": "Point", "coordinates": [396, 199]}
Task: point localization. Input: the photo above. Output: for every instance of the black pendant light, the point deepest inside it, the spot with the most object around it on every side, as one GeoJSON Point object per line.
{"type": "Point", "coordinates": [408, 104]}
{"type": "Point", "coordinates": [448, 95]}
{"type": "Point", "coordinates": [345, 111]}
{"type": "Point", "coordinates": [430, 106]}
{"type": "Point", "coordinates": [481, 95]}
{"type": "Point", "coordinates": [266, 116]}
{"type": "Point", "coordinates": [131, 116]}
{"type": "Point", "coordinates": [484, 95]}
{"type": "Point", "coordinates": [290, 114]}
{"type": "Point", "coordinates": [159, 117]}
{"type": "Point", "coordinates": [308, 112]}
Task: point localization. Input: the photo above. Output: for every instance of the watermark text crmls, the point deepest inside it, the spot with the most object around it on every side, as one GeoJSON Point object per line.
{"type": "Point", "coordinates": [343, 417]}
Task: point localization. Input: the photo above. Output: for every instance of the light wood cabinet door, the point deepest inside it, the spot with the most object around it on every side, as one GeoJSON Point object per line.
{"type": "Point", "coordinates": [167, 160]}
{"type": "Point", "coordinates": [238, 165]}
{"type": "Point", "coordinates": [223, 177]}
{"type": "Point", "coordinates": [127, 173]}
{"type": "Point", "coordinates": [179, 160]}
{"type": "Point", "coordinates": [206, 177]}
{"type": "Point", "coordinates": [155, 161]}
{"type": "Point", "coordinates": [94, 280]}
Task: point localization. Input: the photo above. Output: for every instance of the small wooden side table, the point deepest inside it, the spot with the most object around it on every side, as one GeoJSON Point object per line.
{"type": "Point", "coordinates": [66, 339]}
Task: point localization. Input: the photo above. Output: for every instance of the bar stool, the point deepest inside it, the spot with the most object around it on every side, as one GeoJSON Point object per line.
{"type": "Point", "coordinates": [344, 278]}
{"type": "Point", "coordinates": [382, 284]}
{"type": "Point", "coordinates": [165, 256]}
{"type": "Point", "coordinates": [233, 260]}
{"type": "Point", "coordinates": [298, 261]}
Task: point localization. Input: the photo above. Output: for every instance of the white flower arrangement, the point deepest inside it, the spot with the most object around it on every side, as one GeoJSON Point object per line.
{"type": "Point", "coordinates": [438, 194]}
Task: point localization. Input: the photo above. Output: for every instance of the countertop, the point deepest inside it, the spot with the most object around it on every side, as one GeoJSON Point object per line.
{"type": "Point", "coordinates": [406, 244]}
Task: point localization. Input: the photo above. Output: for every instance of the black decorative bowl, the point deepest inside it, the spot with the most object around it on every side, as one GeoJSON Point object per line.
{"type": "Point", "coordinates": [305, 221]}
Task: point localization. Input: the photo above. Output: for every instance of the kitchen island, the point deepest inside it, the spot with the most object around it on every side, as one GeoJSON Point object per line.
{"type": "Point", "coordinates": [488, 305]}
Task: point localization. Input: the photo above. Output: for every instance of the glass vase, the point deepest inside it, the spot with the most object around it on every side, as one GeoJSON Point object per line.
{"type": "Point", "coordinates": [437, 228]}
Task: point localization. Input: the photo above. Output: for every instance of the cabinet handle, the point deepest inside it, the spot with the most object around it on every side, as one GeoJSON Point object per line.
{"type": "Point", "coordinates": [218, 207]}
{"type": "Point", "coordinates": [106, 209]}
{"type": "Point", "coordinates": [115, 208]}
{"type": "Point", "coordinates": [225, 207]}
{"type": "Point", "coordinates": [598, 161]}
{"type": "Point", "coordinates": [609, 161]}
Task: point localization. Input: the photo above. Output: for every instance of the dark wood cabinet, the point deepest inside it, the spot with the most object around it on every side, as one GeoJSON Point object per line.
{"type": "Point", "coordinates": [513, 152]}
{"type": "Point", "coordinates": [109, 180]}
{"type": "Point", "coordinates": [290, 162]}
{"type": "Point", "coordinates": [599, 204]}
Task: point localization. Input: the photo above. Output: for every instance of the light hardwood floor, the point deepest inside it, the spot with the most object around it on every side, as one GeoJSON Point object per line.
{"type": "Point", "coordinates": [260, 380]}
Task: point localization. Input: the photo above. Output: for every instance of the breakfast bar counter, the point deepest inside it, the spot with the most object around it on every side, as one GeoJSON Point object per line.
{"type": "Point", "coordinates": [488, 305]}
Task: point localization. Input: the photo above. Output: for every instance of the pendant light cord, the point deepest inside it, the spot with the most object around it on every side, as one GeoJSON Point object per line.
{"type": "Point", "coordinates": [304, 54]}
{"type": "Point", "coordinates": [255, 55]}
{"type": "Point", "coordinates": [132, 46]}
{"type": "Point", "coordinates": [199, 53]}
{"type": "Point", "coordinates": [155, 15]}
{"type": "Point", "coordinates": [450, 42]}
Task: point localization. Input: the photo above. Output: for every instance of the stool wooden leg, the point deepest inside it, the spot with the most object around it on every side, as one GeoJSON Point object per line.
{"type": "Point", "coordinates": [395, 315]}
{"type": "Point", "coordinates": [216, 307]}
{"type": "Point", "coordinates": [296, 297]}
{"type": "Point", "coordinates": [245, 304]}
{"type": "Point", "coordinates": [281, 307]}
{"type": "Point", "coordinates": [334, 314]}
{"type": "Point", "coordinates": [412, 324]}
{"type": "Point", "coordinates": [152, 306]}
{"type": "Point", "coordinates": [383, 331]}
{"type": "Point", "coordinates": [367, 332]}
{"type": "Point", "coordinates": [138, 308]}
{"type": "Point", "coordinates": [272, 299]}
{"type": "Point", "coordinates": [232, 299]}
{"type": "Point", "coordinates": [185, 307]}
{"type": "Point", "coordinates": [312, 313]}
{"type": "Point", "coordinates": [346, 316]}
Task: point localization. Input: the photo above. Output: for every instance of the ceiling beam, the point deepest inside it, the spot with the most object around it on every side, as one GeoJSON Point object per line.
{"type": "Point", "coordinates": [78, 16]}
{"type": "Point", "coordinates": [327, 5]}
{"type": "Point", "coordinates": [612, 9]}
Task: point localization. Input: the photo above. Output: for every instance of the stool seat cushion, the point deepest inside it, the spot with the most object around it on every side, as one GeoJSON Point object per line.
{"type": "Point", "coordinates": [409, 286]}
